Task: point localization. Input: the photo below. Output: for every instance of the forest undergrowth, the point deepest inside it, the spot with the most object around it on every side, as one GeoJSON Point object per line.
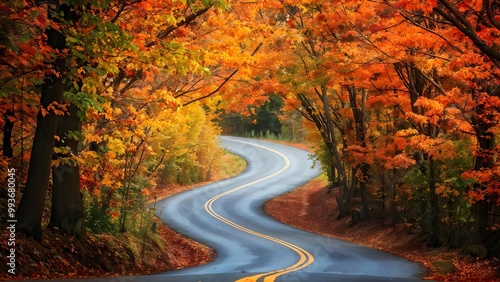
{"type": "Point", "coordinates": [105, 255]}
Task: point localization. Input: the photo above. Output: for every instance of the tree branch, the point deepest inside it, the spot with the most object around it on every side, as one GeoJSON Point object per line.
{"type": "Point", "coordinates": [457, 19]}
{"type": "Point", "coordinates": [226, 80]}
{"type": "Point", "coordinates": [171, 28]}
{"type": "Point", "coordinates": [488, 7]}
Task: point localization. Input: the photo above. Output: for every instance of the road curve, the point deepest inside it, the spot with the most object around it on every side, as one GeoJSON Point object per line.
{"type": "Point", "coordinates": [251, 246]}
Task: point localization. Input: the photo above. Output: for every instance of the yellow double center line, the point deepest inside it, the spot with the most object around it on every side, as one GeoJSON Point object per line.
{"type": "Point", "coordinates": [305, 257]}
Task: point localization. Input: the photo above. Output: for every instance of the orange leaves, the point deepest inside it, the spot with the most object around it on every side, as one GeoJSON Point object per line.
{"type": "Point", "coordinates": [114, 215]}
{"type": "Point", "coordinates": [41, 20]}
{"type": "Point", "coordinates": [56, 108]}
{"type": "Point", "coordinates": [415, 5]}
{"type": "Point", "coordinates": [420, 119]}
{"type": "Point", "coordinates": [28, 48]}
{"type": "Point", "coordinates": [423, 143]}
{"type": "Point", "coordinates": [107, 181]}
{"type": "Point", "coordinates": [487, 183]}
{"type": "Point", "coordinates": [407, 132]}
{"type": "Point", "coordinates": [399, 161]}
{"type": "Point", "coordinates": [145, 5]}
{"type": "Point", "coordinates": [433, 109]}
{"type": "Point", "coordinates": [447, 191]}
{"type": "Point", "coordinates": [356, 155]}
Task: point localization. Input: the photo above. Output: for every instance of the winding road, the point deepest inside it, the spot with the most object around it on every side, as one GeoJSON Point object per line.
{"type": "Point", "coordinates": [252, 246]}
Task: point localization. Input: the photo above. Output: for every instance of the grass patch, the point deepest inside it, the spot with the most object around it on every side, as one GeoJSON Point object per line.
{"type": "Point", "coordinates": [231, 165]}
{"type": "Point", "coordinates": [445, 267]}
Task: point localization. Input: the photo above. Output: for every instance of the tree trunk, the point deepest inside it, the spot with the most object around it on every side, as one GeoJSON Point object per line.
{"type": "Point", "coordinates": [30, 210]}
{"type": "Point", "coordinates": [7, 150]}
{"type": "Point", "coordinates": [358, 110]}
{"type": "Point", "coordinates": [33, 200]}
{"type": "Point", "coordinates": [382, 197]}
{"type": "Point", "coordinates": [67, 212]}
{"type": "Point", "coordinates": [364, 194]}
{"type": "Point", "coordinates": [394, 207]}
{"type": "Point", "coordinates": [332, 145]}
{"type": "Point", "coordinates": [434, 239]}
{"type": "Point", "coordinates": [325, 126]}
{"type": "Point", "coordinates": [483, 160]}
{"type": "Point", "coordinates": [341, 206]}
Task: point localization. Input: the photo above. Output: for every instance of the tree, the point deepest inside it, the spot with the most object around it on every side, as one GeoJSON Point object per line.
{"type": "Point", "coordinates": [67, 211]}
{"type": "Point", "coordinates": [334, 66]}
{"type": "Point", "coordinates": [474, 35]}
{"type": "Point", "coordinates": [32, 203]}
{"type": "Point", "coordinates": [263, 120]}
{"type": "Point", "coordinates": [79, 71]}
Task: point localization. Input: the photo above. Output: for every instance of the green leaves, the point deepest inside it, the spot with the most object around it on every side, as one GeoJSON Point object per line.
{"type": "Point", "coordinates": [85, 101]}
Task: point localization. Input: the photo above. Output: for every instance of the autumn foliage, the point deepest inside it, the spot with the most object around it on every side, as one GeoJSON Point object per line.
{"type": "Point", "coordinates": [104, 98]}
{"type": "Point", "coordinates": [403, 99]}
{"type": "Point", "coordinates": [107, 98]}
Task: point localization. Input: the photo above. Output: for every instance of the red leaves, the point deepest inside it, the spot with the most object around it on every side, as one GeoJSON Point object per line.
{"type": "Point", "coordinates": [28, 48]}
{"type": "Point", "coordinates": [488, 184]}
{"type": "Point", "coordinates": [291, 23]}
{"type": "Point", "coordinates": [321, 17]}
{"type": "Point", "coordinates": [41, 20]}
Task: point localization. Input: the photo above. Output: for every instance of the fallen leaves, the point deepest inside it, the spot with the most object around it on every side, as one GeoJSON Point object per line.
{"type": "Point", "coordinates": [57, 256]}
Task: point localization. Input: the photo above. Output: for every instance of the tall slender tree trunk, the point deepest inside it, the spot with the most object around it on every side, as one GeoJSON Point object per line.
{"type": "Point", "coordinates": [67, 212]}
{"type": "Point", "coordinates": [325, 125]}
{"type": "Point", "coordinates": [382, 197]}
{"type": "Point", "coordinates": [364, 192]}
{"type": "Point", "coordinates": [394, 204]}
{"type": "Point", "coordinates": [483, 160]}
{"type": "Point", "coordinates": [7, 150]}
{"type": "Point", "coordinates": [358, 110]}
{"type": "Point", "coordinates": [343, 203]}
{"type": "Point", "coordinates": [434, 239]}
{"type": "Point", "coordinates": [30, 210]}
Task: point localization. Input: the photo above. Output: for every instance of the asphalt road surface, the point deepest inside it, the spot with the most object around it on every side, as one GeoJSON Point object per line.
{"type": "Point", "coordinates": [251, 246]}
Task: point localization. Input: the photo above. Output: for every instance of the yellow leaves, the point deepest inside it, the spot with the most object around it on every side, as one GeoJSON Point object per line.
{"type": "Point", "coordinates": [445, 150]}
{"type": "Point", "coordinates": [130, 148]}
{"type": "Point", "coordinates": [106, 181]}
{"type": "Point", "coordinates": [420, 119]}
{"type": "Point", "coordinates": [407, 132]}
{"type": "Point", "coordinates": [165, 98]}
{"type": "Point", "coordinates": [115, 145]}
{"type": "Point", "coordinates": [89, 85]}
{"type": "Point", "coordinates": [88, 155]}
{"type": "Point", "coordinates": [92, 137]}
{"type": "Point", "coordinates": [424, 143]}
